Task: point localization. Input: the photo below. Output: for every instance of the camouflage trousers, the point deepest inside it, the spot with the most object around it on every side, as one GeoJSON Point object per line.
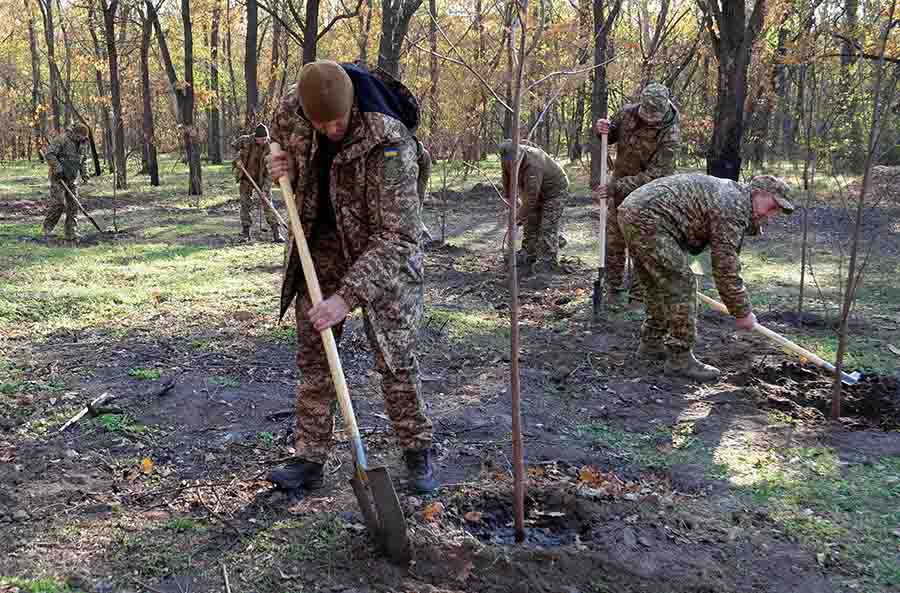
{"type": "Point", "coordinates": [249, 199]}
{"type": "Point", "coordinates": [663, 267]}
{"type": "Point", "coordinates": [540, 239]}
{"type": "Point", "coordinates": [316, 397]}
{"type": "Point", "coordinates": [617, 254]}
{"type": "Point", "coordinates": [59, 203]}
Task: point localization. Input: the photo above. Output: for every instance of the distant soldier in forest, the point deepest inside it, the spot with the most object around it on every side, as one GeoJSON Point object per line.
{"type": "Point", "coordinates": [251, 153]}
{"type": "Point", "coordinates": [665, 220]}
{"type": "Point", "coordinates": [647, 137]}
{"type": "Point", "coordinates": [543, 189]}
{"type": "Point", "coordinates": [355, 167]}
{"type": "Point", "coordinates": [65, 162]}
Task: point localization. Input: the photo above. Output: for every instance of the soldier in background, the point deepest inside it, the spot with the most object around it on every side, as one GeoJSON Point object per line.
{"type": "Point", "coordinates": [647, 137]}
{"type": "Point", "coordinates": [251, 152]}
{"type": "Point", "coordinates": [65, 162]}
{"type": "Point", "coordinates": [543, 188]}
{"type": "Point", "coordinates": [667, 219]}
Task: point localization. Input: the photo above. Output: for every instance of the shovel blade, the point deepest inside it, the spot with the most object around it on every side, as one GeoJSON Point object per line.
{"type": "Point", "coordinates": [850, 378]}
{"type": "Point", "coordinates": [597, 298]}
{"type": "Point", "coordinates": [381, 512]}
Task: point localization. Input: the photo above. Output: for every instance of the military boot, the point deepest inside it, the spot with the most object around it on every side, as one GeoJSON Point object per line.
{"type": "Point", "coordinates": [420, 466]}
{"type": "Point", "coordinates": [296, 474]}
{"type": "Point", "coordinates": [683, 364]}
{"type": "Point", "coordinates": [245, 234]}
{"type": "Point", "coordinates": [276, 235]}
{"type": "Point", "coordinates": [654, 351]}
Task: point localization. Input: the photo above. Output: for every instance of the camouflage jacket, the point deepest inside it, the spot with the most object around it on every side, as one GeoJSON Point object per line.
{"type": "Point", "coordinates": [539, 175]}
{"type": "Point", "coordinates": [373, 183]}
{"type": "Point", "coordinates": [252, 156]}
{"type": "Point", "coordinates": [701, 211]}
{"type": "Point", "coordinates": [644, 152]}
{"type": "Point", "coordinates": [66, 158]}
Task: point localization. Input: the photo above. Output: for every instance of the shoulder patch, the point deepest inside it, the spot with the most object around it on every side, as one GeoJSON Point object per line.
{"type": "Point", "coordinates": [391, 153]}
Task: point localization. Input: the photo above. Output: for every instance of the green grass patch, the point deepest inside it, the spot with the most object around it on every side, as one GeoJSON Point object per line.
{"type": "Point", "coordinates": [144, 374]}
{"type": "Point", "coordinates": [119, 423]}
{"type": "Point", "coordinates": [42, 585]}
{"type": "Point", "coordinates": [322, 538]}
{"type": "Point", "coordinates": [267, 438]}
{"type": "Point", "coordinates": [182, 524]}
{"type": "Point", "coordinates": [225, 381]}
{"type": "Point", "coordinates": [663, 447]}
{"type": "Point", "coordinates": [471, 327]}
{"type": "Point", "coordinates": [846, 513]}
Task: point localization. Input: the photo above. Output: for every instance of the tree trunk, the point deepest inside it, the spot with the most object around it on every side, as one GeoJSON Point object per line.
{"type": "Point", "coordinates": [46, 7]}
{"type": "Point", "coordinates": [68, 113]}
{"type": "Point", "coordinates": [364, 31]}
{"type": "Point", "coordinates": [215, 130]}
{"type": "Point", "coordinates": [435, 75]}
{"type": "Point", "coordinates": [115, 91]}
{"type": "Point", "coordinates": [101, 89]}
{"type": "Point", "coordinates": [190, 136]}
{"type": "Point", "coordinates": [183, 91]}
{"type": "Point", "coordinates": [578, 112]}
{"type": "Point", "coordinates": [38, 113]}
{"type": "Point", "coordinates": [311, 31]}
{"type": "Point", "coordinates": [733, 45]}
{"type": "Point", "coordinates": [852, 159]}
{"type": "Point", "coordinates": [395, 17]}
{"type": "Point", "coordinates": [276, 57]}
{"type": "Point", "coordinates": [146, 100]}
{"type": "Point", "coordinates": [235, 111]}
{"type": "Point", "coordinates": [250, 63]}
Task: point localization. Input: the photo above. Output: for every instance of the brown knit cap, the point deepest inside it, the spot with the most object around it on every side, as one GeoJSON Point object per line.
{"type": "Point", "coordinates": [326, 92]}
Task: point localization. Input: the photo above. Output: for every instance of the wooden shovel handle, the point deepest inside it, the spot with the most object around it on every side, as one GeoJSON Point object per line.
{"type": "Point", "coordinates": [315, 295]}
{"type": "Point", "coordinates": [780, 340]}
{"type": "Point", "coordinates": [604, 150]}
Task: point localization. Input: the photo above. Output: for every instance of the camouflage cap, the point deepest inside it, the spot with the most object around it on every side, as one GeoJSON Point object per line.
{"type": "Point", "coordinates": [776, 186]}
{"type": "Point", "coordinates": [654, 103]}
{"type": "Point", "coordinates": [506, 150]}
{"type": "Point", "coordinates": [80, 130]}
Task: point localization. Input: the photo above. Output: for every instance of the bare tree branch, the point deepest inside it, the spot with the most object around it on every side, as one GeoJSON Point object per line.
{"type": "Point", "coordinates": [340, 17]}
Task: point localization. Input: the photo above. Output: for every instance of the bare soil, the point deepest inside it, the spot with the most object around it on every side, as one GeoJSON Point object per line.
{"type": "Point", "coordinates": [82, 504]}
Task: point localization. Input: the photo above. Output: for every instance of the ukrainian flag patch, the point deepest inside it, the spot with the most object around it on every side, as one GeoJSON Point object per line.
{"type": "Point", "coordinates": [390, 153]}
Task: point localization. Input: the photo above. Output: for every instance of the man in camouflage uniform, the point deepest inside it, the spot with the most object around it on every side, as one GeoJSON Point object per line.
{"type": "Point", "coordinates": [352, 160]}
{"type": "Point", "coordinates": [543, 189]}
{"type": "Point", "coordinates": [668, 218]}
{"type": "Point", "coordinates": [251, 152]}
{"type": "Point", "coordinates": [647, 137]}
{"type": "Point", "coordinates": [65, 161]}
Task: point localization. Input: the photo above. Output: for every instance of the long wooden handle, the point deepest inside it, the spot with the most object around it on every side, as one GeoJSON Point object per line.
{"type": "Point", "coordinates": [80, 207]}
{"type": "Point", "coordinates": [264, 197]}
{"type": "Point", "coordinates": [315, 295]}
{"type": "Point", "coordinates": [604, 149]}
{"type": "Point", "coordinates": [780, 340]}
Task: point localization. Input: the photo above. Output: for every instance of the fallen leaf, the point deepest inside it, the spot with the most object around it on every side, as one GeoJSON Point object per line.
{"type": "Point", "coordinates": [473, 516]}
{"type": "Point", "coordinates": [147, 466]}
{"type": "Point", "coordinates": [589, 475]}
{"type": "Point", "coordinates": [433, 511]}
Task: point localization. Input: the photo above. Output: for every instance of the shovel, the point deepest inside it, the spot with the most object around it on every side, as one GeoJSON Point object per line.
{"type": "Point", "coordinates": [599, 283]}
{"type": "Point", "coordinates": [264, 197]}
{"type": "Point", "coordinates": [80, 207]}
{"type": "Point", "coordinates": [372, 485]}
{"type": "Point", "coordinates": [846, 378]}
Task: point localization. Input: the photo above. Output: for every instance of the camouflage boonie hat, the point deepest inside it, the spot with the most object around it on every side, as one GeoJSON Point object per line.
{"type": "Point", "coordinates": [654, 103]}
{"type": "Point", "coordinates": [776, 186]}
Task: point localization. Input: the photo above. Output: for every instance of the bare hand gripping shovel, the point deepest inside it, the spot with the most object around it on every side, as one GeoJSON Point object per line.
{"type": "Point", "coordinates": [599, 305]}
{"type": "Point", "coordinates": [846, 378]}
{"type": "Point", "coordinates": [372, 485]}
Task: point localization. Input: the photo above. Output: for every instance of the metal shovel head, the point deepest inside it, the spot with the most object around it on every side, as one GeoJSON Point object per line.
{"type": "Point", "coordinates": [381, 511]}
{"type": "Point", "coordinates": [850, 378]}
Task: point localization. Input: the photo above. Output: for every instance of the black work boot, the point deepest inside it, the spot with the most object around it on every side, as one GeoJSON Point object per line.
{"type": "Point", "coordinates": [296, 474]}
{"type": "Point", "coordinates": [245, 234]}
{"type": "Point", "coordinates": [420, 466]}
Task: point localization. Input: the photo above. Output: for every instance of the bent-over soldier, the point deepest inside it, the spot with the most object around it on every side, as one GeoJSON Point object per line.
{"type": "Point", "coordinates": [65, 162]}
{"type": "Point", "coordinates": [252, 152]}
{"type": "Point", "coordinates": [668, 219]}
{"type": "Point", "coordinates": [352, 159]}
{"type": "Point", "coordinates": [543, 189]}
{"type": "Point", "coordinates": [647, 137]}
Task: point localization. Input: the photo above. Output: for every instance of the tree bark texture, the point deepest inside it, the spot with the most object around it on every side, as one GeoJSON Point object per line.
{"type": "Point", "coordinates": [149, 133]}
{"type": "Point", "coordinates": [395, 17]}
{"type": "Point", "coordinates": [215, 126]}
{"type": "Point", "coordinates": [115, 91]}
{"type": "Point", "coordinates": [251, 62]}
